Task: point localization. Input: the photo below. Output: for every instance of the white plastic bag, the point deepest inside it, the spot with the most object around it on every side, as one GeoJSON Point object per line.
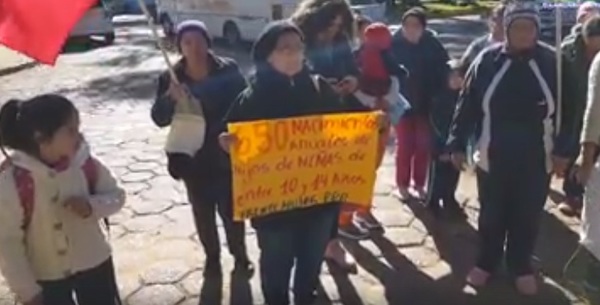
{"type": "Point", "coordinates": [188, 128]}
{"type": "Point", "coordinates": [397, 102]}
{"type": "Point", "coordinates": [186, 134]}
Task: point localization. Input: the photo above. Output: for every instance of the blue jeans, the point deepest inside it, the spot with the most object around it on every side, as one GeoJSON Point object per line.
{"type": "Point", "coordinates": [302, 243]}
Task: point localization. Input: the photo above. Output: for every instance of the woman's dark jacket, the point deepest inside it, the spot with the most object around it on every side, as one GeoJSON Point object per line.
{"type": "Point", "coordinates": [216, 94]}
{"type": "Point", "coordinates": [427, 65]}
{"type": "Point", "coordinates": [505, 103]}
{"type": "Point", "coordinates": [272, 95]}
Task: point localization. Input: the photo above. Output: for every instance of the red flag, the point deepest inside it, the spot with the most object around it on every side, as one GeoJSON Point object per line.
{"type": "Point", "coordinates": [39, 28]}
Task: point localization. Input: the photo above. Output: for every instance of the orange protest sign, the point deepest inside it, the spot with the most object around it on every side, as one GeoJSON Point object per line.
{"type": "Point", "coordinates": [286, 164]}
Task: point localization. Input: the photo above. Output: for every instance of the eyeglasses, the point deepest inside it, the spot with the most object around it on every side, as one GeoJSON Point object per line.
{"type": "Point", "coordinates": [290, 48]}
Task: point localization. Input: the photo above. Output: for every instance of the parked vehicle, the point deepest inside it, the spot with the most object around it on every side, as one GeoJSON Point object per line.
{"type": "Point", "coordinates": [96, 22]}
{"type": "Point", "coordinates": [132, 7]}
{"type": "Point", "coordinates": [241, 20]}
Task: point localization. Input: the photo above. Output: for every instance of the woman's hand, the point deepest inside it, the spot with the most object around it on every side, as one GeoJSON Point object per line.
{"type": "Point", "coordinates": [177, 92]}
{"type": "Point", "coordinates": [582, 170]}
{"type": "Point", "coordinates": [226, 140]}
{"type": "Point", "coordinates": [559, 166]}
{"type": "Point", "coordinates": [79, 206]}
{"type": "Point", "coordinates": [459, 160]}
{"type": "Point", "coordinates": [348, 85]}
{"type": "Point", "coordinates": [383, 121]}
{"type": "Point", "coordinates": [382, 104]}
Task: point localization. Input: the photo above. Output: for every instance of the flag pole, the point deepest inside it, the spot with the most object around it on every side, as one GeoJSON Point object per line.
{"type": "Point", "coordinates": [188, 126]}
{"type": "Point", "coordinates": [559, 80]}
{"type": "Point", "coordinates": [188, 104]}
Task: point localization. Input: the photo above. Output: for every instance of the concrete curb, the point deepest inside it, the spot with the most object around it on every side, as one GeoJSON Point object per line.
{"type": "Point", "coordinates": [13, 61]}
{"type": "Point", "coordinates": [17, 68]}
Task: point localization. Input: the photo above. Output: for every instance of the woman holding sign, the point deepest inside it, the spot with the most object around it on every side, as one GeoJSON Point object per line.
{"type": "Point", "coordinates": [215, 82]}
{"type": "Point", "coordinates": [329, 30]}
{"type": "Point", "coordinates": [283, 87]}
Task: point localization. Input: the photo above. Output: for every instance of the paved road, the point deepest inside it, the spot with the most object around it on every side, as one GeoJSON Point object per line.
{"type": "Point", "coordinates": [157, 254]}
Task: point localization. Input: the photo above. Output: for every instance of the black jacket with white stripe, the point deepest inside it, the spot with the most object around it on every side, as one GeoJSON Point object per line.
{"type": "Point", "coordinates": [510, 104]}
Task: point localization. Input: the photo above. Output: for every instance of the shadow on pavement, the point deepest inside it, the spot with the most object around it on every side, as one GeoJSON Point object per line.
{"type": "Point", "coordinates": [453, 238]}
{"type": "Point", "coordinates": [346, 290]}
{"type": "Point", "coordinates": [404, 282]}
{"type": "Point", "coordinates": [556, 244]}
{"type": "Point", "coordinates": [240, 290]}
{"type": "Point", "coordinates": [212, 291]}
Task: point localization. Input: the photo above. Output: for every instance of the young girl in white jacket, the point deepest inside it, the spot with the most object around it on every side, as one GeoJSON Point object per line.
{"type": "Point", "coordinates": [53, 197]}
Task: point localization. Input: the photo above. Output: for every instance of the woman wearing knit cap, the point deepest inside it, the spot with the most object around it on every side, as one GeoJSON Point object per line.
{"type": "Point", "coordinates": [524, 135]}
{"type": "Point", "coordinates": [283, 87]}
{"type": "Point", "coordinates": [329, 29]}
{"type": "Point", "coordinates": [579, 49]}
{"type": "Point", "coordinates": [423, 55]}
{"type": "Point", "coordinates": [215, 82]}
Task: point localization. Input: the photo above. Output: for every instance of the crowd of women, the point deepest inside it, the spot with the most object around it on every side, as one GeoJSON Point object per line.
{"type": "Point", "coordinates": [506, 98]}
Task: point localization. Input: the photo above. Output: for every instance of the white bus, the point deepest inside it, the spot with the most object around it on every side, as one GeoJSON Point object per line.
{"type": "Point", "coordinates": [242, 20]}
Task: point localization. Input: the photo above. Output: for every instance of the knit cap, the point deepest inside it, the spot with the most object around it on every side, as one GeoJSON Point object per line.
{"type": "Point", "coordinates": [591, 28]}
{"type": "Point", "coordinates": [191, 25]}
{"type": "Point", "coordinates": [586, 8]}
{"type": "Point", "coordinates": [521, 10]}
{"type": "Point", "coordinates": [267, 40]}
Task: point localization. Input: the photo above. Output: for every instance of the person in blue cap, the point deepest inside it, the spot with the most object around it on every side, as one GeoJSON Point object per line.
{"type": "Point", "coordinates": [215, 82]}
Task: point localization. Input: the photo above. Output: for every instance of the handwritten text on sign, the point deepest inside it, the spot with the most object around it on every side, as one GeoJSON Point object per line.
{"type": "Point", "coordinates": [286, 164]}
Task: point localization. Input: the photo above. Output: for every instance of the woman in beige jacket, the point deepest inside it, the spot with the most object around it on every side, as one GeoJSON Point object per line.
{"type": "Point", "coordinates": [584, 268]}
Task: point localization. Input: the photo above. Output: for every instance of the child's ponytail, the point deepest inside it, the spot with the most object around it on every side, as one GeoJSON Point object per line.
{"type": "Point", "coordinates": [25, 124]}
{"type": "Point", "coordinates": [10, 135]}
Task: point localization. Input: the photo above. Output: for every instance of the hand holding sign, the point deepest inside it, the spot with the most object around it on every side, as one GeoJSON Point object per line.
{"type": "Point", "coordinates": [227, 140]}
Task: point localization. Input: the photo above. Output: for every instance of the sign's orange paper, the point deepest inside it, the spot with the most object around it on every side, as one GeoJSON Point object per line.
{"type": "Point", "coordinates": [286, 164]}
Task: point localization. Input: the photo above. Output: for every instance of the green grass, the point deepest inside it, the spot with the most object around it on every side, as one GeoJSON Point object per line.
{"type": "Point", "coordinates": [436, 9]}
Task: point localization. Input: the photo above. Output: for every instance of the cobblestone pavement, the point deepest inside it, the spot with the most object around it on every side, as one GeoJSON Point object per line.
{"type": "Point", "coordinates": [157, 254]}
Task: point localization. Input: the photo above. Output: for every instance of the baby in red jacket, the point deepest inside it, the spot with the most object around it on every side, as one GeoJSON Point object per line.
{"type": "Point", "coordinates": [378, 89]}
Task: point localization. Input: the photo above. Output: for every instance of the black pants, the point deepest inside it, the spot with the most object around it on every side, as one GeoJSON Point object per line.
{"type": "Point", "coordinates": [301, 243]}
{"type": "Point", "coordinates": [443, 181]}
{"type": "Point", "coordinates": [512, 201]}
{"type": "Point", "coordinates": [209, 195]}
{"type": "Point", "coordinates": [96, 286]}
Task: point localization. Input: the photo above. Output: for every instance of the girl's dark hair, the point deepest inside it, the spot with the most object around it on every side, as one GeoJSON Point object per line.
{"type": "Point", "coordinates": [23, 124]}
{"type": "Point", "coordinates": [315, 16]}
